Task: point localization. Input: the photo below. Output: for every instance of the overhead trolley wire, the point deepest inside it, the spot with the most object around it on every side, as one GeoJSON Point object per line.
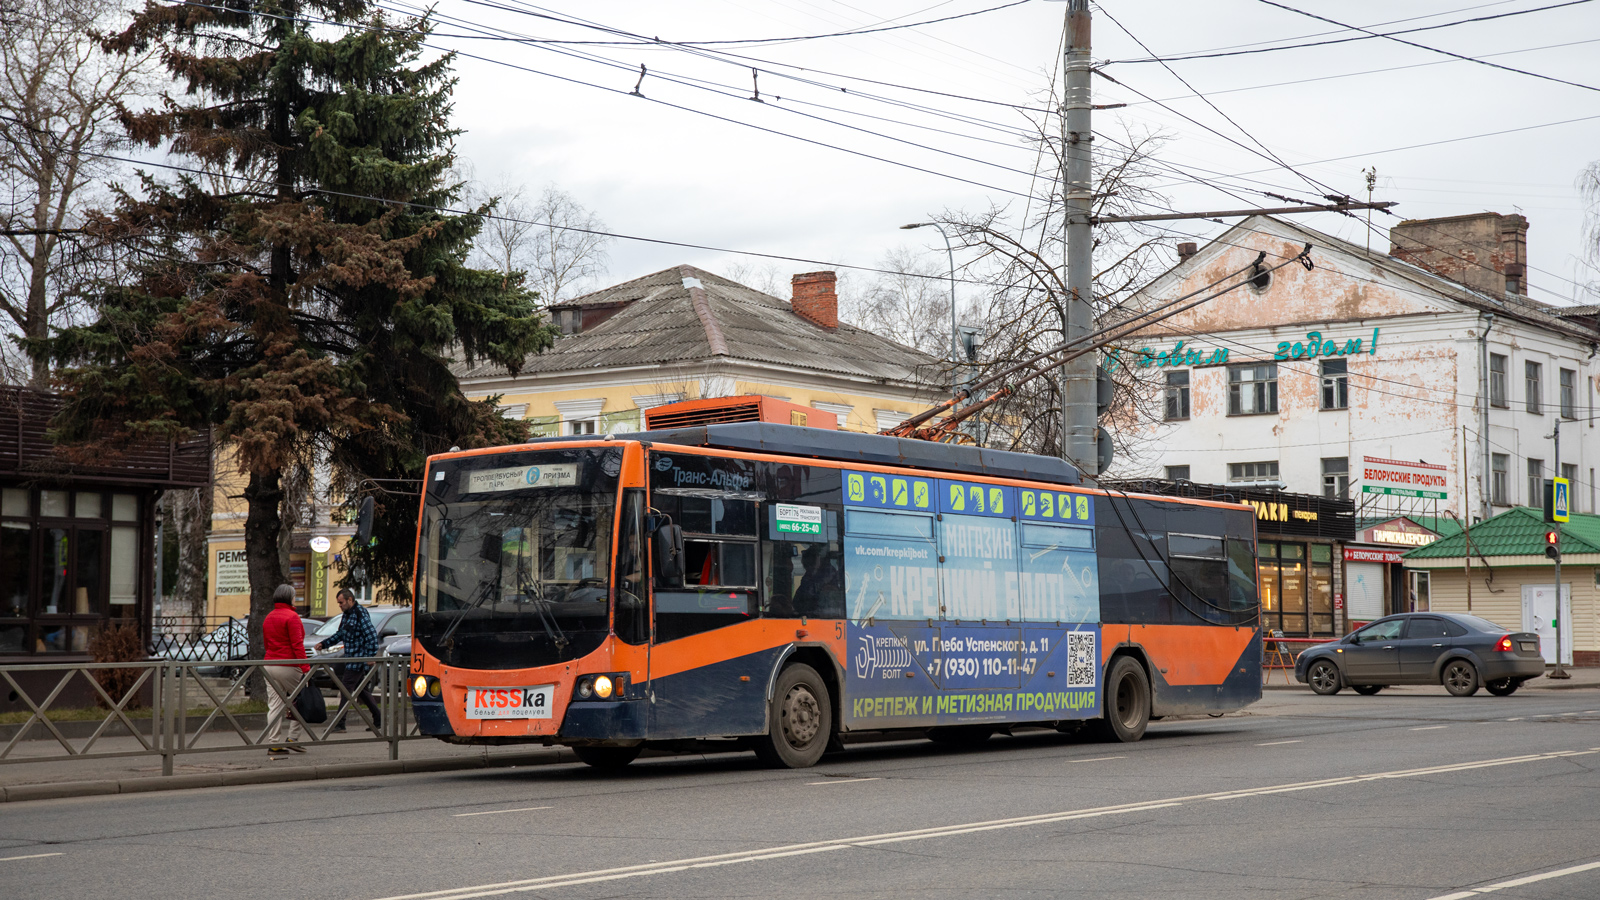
{"type": "Point", "coordinates": [1450, 53]}
{"type": "Point", "coordinates": [1242, 130]}
{"type": "Point", "coordinates": [1367, 35]}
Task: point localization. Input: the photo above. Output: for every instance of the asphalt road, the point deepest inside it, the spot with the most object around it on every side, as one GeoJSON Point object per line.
{"type": "Point", "coordinates": [1405, 795]}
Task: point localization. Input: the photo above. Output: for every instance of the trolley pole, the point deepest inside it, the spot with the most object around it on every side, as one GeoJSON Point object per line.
{"type": "Point", "coordinates": [1080, 415]}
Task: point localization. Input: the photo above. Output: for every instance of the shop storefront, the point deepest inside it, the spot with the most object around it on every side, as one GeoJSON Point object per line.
{"type": "Point", "coordinates": [1377, 581]}
{"type": "Point", "coordinates": [76, 539]}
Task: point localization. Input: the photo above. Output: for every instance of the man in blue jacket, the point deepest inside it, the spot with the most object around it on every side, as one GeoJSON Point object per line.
{"type": "Point", "coordinates": [359, 639]}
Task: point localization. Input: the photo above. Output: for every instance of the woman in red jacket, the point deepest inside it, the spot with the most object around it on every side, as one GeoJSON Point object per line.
{"type": "Point", "coordinates": [285, 638]}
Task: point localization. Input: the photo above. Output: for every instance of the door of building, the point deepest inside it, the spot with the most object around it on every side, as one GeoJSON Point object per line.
{"type": "Point", "coordinates": [1539, 616]}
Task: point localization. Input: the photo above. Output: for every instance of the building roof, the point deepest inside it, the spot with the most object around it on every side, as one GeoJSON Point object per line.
{"type": "Point", "coordinates": [1515, 306]}
{"type": "Point", "coordinates": [1518, 531]}
{"type": "Point", "coordinates": [685, 315]}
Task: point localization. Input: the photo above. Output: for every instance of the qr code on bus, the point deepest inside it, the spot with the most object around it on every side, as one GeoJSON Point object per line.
{"type": "Point", "coordinates": [1080, 659]}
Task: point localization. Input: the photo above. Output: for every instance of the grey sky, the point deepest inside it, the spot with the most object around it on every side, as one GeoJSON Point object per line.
{"type": "Point", "coordinates": [652, 170]}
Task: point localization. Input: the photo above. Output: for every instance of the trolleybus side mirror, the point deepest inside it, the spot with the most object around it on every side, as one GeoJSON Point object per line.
{"type": "Point", "coordinates": [669, 556]}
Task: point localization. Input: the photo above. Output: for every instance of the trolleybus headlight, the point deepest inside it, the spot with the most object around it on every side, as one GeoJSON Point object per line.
{"type": "Point", "coordinates": [585, 688]}
{"type": "Point", "coordinates": [602, 686]}
{"type": "Point", "coordinates": [433, 688]}
{"type": "Point", "coordinates": [419, 685]}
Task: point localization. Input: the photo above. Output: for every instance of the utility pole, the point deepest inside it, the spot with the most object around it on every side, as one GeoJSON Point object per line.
{"type": "Point", "coordinates": [1558, 672]}
{"type": "Point", "coordinates": [1079, 415]}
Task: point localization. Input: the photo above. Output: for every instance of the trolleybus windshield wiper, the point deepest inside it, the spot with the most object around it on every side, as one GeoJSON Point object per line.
{"type": "Point", "coordinates": [551, 627]}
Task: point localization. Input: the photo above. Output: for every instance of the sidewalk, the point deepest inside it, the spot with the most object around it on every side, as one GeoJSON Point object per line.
{"type": "Point", "coordinates": [53, 778]}
{"type": "Point", "coordinates": [1581, 678]}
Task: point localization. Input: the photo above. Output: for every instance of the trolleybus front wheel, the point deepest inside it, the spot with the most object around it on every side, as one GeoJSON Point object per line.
{"type": "Point", "coordinates": [1127, 701]}
{"type": "Point", "coordinates": [799, 722]}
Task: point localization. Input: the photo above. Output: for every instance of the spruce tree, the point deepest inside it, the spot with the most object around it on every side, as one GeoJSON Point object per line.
{"type": "Point", "coordinates": [300, 292]}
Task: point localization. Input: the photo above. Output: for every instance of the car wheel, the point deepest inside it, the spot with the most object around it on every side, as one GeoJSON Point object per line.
{"type": "Point", "coordinates": [961, 735]}
{"type": "Point", "coordinates": [1367, 690]}
{"type": "Point", "coordinates": [1126, 700]}
{"type": "Point", "coordinates": [608, 758]}
{"type": "Point", "coordinates": [1460, 678]}
{"type": "Point", "coordinates": [1504, 687]}
{"type": "Point", "coordinates": [800, 720]}
{"type": "Point", "coordinates": [1324, 678]}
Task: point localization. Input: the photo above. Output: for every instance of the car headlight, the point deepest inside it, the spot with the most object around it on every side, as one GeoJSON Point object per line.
{"type": "Point", "coordinates": [602, 687]}
{"type": "Point", "coordinates": [419, 685]}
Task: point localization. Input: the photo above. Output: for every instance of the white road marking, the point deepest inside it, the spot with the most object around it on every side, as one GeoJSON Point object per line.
{"type": "Point", "coordinates": [30, 856]}
{"type": "Point", "coordinates": [1430, 727]}
{"type": "Point", "coordinates": [1545, 716]}
{"type": "Point", "coordinates": [496, 812]}
{"type": "Point", "coordinates": [1276, 743]}
{"type": "Point", "coordinates": [1519, 882]}
{"type": "Point", "coordinates": [1094, 759]}
{"type": "Point", "coordinates": [843, 781]}
{"type": "Point", "coordinates": [726, 859]}
{"type": "Point", "coordinates": [1516, 719]}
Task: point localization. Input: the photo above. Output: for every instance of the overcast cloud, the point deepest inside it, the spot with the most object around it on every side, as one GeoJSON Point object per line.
{"type": "Point", "coordinates": [696, 170]}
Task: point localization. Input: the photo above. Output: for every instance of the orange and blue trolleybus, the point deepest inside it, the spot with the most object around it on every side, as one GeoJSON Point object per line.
{"type": "Point", "coordinates": [775, 587]}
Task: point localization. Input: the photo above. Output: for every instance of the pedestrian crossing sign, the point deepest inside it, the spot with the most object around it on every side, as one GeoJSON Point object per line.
{"type": "Point", "coordinates": [1558, 500]}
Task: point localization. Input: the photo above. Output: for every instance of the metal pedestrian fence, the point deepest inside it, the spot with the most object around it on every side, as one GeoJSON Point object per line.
{"type": "Point", "coordinates": [194, 713]}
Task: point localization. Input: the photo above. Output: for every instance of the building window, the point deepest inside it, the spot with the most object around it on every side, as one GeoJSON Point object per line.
{"type": "Point", "coordinates": [1177, 473]}
{"type": "Point", "coordinates": [583, 426]}
{"type": "Point", "coordinates": [1296, 588]}
{"type": "Point", "coordinates": [1569, 471]}
{"type": "Point", "coordinates": [1497, 380]}
{"type": "Point", "coordinates": [1253, 390]}
{"type": "Point", "coordinates": [1177, 395]}
{"type": "Point", "coordinates": [1335, 384]}
{"type": "Point", "coordinates": [69, 566]}
{"type": "Point", "coordinates": [1569, 394]}
{"type": "Point", "coordinates": [1533, 386]}
{"type": "Point", "coordinates": [1500, 485]}
{"type": "Point", "coordinates": [1336, 478]}
{"type": "Point", "coordinates": [1253, 471]}
{"type": "Point", "coordinates": [1535, 482]}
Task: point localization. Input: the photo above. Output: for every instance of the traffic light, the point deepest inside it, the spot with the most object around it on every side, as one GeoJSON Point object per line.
{"type": "Point", "coordinates": [1552, 545]}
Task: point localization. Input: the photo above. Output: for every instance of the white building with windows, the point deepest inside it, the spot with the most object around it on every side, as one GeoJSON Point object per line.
{"type": "Point", "coordinates": [1378, 376]}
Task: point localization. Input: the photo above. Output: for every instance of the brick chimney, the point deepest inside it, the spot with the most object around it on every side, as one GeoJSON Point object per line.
{"type": "Point", "coordinates": [1186, 250]}
{"type": "Point", "coordinates": [1487, 251]}
{"type": "Point", "coordinates": [815, 298]}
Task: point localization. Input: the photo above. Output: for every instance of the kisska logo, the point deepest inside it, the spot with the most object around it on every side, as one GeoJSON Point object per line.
{"type": "Point", "coordinates": [663, 463]}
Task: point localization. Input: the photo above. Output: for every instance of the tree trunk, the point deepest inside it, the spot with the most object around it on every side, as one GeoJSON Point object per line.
{"type": "Point", "coordinates": [191, 516]}
{"type": "Point", "coordinates": [261, 526]}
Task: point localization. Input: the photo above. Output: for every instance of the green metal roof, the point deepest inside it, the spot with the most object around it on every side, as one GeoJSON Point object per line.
{"type": "Point", "coordinates": [1518, 531]}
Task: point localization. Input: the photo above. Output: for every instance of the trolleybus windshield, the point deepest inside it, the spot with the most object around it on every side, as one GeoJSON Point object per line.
{"type": "Point", "coordinates": [515, 557]}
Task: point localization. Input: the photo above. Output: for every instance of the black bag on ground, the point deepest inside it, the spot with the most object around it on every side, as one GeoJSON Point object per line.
{"type": "Point", "coordinates": [310, 705]}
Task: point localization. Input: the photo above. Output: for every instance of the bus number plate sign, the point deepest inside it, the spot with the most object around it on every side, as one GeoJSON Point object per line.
{"type": "Point", "coordinates": [510, 702]}
{"type": "Point", "coordinates": [794, 519]}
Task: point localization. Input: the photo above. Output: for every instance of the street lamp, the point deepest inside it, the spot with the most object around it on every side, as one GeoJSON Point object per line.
{"type": "Point", "coordinates": [955, 335]}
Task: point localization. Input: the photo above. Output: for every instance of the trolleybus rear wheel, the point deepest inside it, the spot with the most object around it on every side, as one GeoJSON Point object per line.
{"type": "Point", "coordinates": [608, 757]}
{"type": "Point", "coordinates": [1127, 701]}
{"type": "Point", "coordinates": [799, 722]}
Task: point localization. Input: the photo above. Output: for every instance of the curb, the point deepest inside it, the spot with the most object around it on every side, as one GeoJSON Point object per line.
{"type": "Point", "coordinates": [59, 790]}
